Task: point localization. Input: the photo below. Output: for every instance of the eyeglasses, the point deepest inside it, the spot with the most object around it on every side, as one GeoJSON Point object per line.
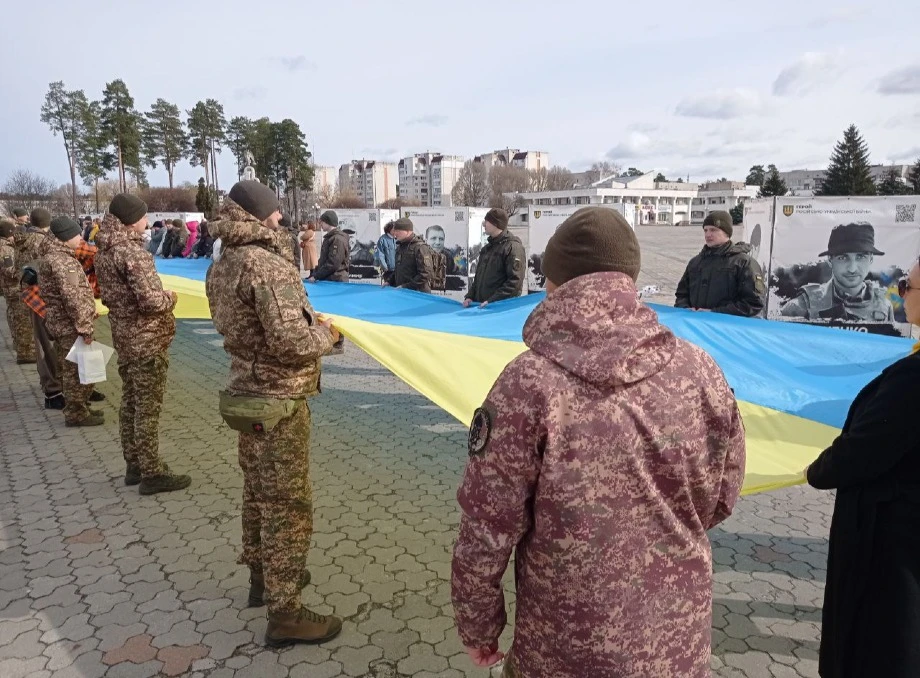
{"type": "Point", "coordinates": [903, 286]}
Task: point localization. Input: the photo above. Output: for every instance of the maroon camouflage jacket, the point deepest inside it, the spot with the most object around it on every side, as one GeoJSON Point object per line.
{"type": "Point", "coordinates": [259, 305]}
{"type": "Point", "coordinates": [601, 456]}
{"type": "Point", "coordinates": [70, 308]}
{"type": "Point", "coordinates": [140, 310]}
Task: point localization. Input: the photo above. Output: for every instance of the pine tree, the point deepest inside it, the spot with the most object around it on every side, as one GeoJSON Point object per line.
{"type": "Point", "coordinates": [660, 178]}
{"type": "Point", "coordinates": [848, 172]}
{"type": "Point", "coordinates": [737, 213]}
{"type": "Point", "coordinates": [165, 139]}
{"type": "Point", "coordinates": [94, 159]}
{"type": "Point", "coordinates": [207, 130]}
{"type": "Point", "coordinates": [204, 199]}
{"type": "Point", "coordinates": [892, 185]}
{"type": "Point", "coordinates": [239, 130]}
{"type": "Point", "coordinates": [915, 178]}
{"type": "Point", "coordinates": [63, 113]}
{"type": "Point", "coordinates": [121, 124]}
{"type": "Point", "coordinates": [756, 176]}
{"type": "Point", "coordinates": [773, 184]}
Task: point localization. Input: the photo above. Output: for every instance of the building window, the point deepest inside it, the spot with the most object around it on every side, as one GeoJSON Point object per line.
{"type": "Point", "coordinates": [696, 214]}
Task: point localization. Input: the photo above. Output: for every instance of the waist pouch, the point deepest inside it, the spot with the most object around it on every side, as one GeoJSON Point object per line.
{"type": "Point", "coordinates": [254, 414]}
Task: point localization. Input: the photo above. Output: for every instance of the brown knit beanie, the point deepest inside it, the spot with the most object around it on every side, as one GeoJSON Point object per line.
{"type": "Point", "coordinates": [498, 218]}
{"type": "Point", "coordinates": [593, 240]}
{"type": "Point", "coordinates": [40, 218]}
{"type": "Point", "coordinates": [721, 220]}
{"type": "Point", "coordinates": [178, 223]}
{"type": "Point", "coordinates": [404, 224]}
{"type": "Point", "coordinates": [128, 208]}
{"type": "Point", "coordinates": [7, 228]}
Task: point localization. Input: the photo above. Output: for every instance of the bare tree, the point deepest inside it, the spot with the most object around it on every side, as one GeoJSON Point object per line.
{"type": "Point", "coordinates": [604, 169]}
{"type": "Point", "coordinates": [553, 179]}
{"type": "Point", "coordinates": [397, 203]}
{"type": "Point", "coordinates": [472, 187]}
{"type": "Point", "coordinates": [506, 185]}
{"type": "Point", "coordinates": [346, 200]}
{"type": "Point", "coordinates": [24, 188]}
{"type": "Point", "coordinates": [63, 200]}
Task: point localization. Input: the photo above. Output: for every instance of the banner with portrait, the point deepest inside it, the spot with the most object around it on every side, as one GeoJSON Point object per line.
{"type": "Point", "coordinates": [758, 232]}
{"type": "Point", "coordinates": [837, 261]}
{"type": "Point", "coordinates": [447, 231]}
{"type": "Point", "coordinates": [363, 227]}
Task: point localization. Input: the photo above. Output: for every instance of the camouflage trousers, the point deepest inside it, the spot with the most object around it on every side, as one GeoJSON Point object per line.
{"type": "Point", "coordinates": [17, 317]}
{"type": "Point", "coordinates": [278, 506]}
{"type": "Point", "coordinates": [76, 394]}
{"type": "Point", "coordinates": [142, 392]}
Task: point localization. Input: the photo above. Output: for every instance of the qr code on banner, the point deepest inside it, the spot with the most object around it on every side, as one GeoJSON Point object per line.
{"type": "Point", "coordinates": [459, 216]}
{"type": "Point", "coordinates": [905, 214]}
{"type": "Point", "coordinates": [373, 216]}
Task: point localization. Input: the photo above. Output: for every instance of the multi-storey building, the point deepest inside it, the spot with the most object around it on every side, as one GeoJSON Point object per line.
{"type": "Point", "coordinates": [429, 178]}
{"type": "Point", "coordinates": [374, 182]}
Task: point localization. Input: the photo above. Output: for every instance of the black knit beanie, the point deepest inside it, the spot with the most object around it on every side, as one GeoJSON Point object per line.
{"type": "Point", "coordinates": [721, 220]}
{"type": "Point", "coordinates": [129, 209]}
{"type": "Point", "coordinates": [65, 228]}
{"type": "Point", "coordinates": [330, 218]}
{"type": "Point", "coordinates": [7, 228]}
{"type": "Point", "coordinates": [404, 224]}
{"type": "Point", "coordinates": [593, 240]}
{"type": "Point", "coordinates": [256, 198]}
{"type": "Point", "coordinates": [498, 218]}
{"type": "Point", "coordinates": [40, 217]}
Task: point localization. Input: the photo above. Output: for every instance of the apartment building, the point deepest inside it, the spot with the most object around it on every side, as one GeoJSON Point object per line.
{"type": "Point", "coordinates": [429, 178]}
{"type": "Point", "coordinates": [529, 160]}
{"type": "Point", "coordinates": [374, 182]}
{"type": "Point", "coordinates": [324, 178]}
{"type": "Point", "coordinates": [804, 182]}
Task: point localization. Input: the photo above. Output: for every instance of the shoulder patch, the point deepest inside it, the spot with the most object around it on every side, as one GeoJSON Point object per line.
{"type": "Point", "coordinates": [480, 431]}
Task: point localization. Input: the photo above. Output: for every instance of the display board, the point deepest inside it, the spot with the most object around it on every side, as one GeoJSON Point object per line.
{"type": "Point", "coordinates": [449, 231]}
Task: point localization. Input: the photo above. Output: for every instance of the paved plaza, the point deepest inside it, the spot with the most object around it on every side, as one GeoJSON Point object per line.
{"type": "Point", "coordinates": [96, 580]}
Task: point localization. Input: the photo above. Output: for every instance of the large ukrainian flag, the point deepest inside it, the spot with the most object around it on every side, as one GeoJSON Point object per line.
{"type": "Point", "coordinates": [794, 382]}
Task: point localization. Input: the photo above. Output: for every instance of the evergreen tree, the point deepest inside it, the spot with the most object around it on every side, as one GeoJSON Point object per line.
{"type": "Point", "coordinates": [121, 124]}
{"type": "Point", "coordinates": [293, 159]}
{"type": "Point", "coordinates": [915, 178]}
{"type": "Point", "coordinates": [63, 113]}
{"type": "Point", "coordinates": [892, 185]}
{"type": "Point", "coordinates": [207, 130]}
{"type": "Point", "coordinates": [756, 176]}
{"type": "Point", "coordinates": [165, 139]}
{"type": "Point", "coordinates": [660, 178]}
{"type": "Point", "coordinates": [94, 157]}
{"type": "Point", "coordinates": [848, 172]}
{"type": "Point", "coordinates": [204, 199]}
{"type": "Point", "coordinates": [239, 130]}
{"type": "Point", "coordinates": [773, 184]}
{"type": "Point", "coordinates": [737, 213]}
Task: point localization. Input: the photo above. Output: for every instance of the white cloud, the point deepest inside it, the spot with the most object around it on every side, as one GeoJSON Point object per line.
{"type": "Point", "coordinates": [902, 81]}
{"type": "Point", "coordinates": [252, 93]}
{"type": "Point", "coordinates": [296, 63]}
{"type": "Point", "coordinates": [723, 104]}
{"type": "Point", "coordinates": [810, 72]}
{"type": "Point", "coordinates": [429, 120]}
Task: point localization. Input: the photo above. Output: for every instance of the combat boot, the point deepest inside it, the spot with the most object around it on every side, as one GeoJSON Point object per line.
{"type": "Point", "coordinates": [55, 402]}
{"type": "Point", "coordinates": [300, 626]}
{"type": "Point", "coordinates": [91, 420]}
{"type": "Point", "coordinates": [132, 475]}
{"type": "Point", "coordinates": [26, 361]}
{"type": "Point", "coordinates": [165, 482]}
{"type": "Point", "coordinates": [96, 397]}
{"type": "Point", "coordinates": [257, 587]}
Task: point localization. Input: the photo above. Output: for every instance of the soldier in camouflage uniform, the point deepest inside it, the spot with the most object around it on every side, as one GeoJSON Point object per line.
{"type": "Point", "coordinates": [275, 341]}
{"type": "Point", "coordinates": [413, 258]}
{"type": "Point", "coordinates": [70, 311]}
{"type": "Point", "coordinates": [27, 244]}
{"type": "Point", "coordinates": [143, 327]}
{"type": "Point", "coordinates": [847, 296]}
{"type": "Point", "coordinates": [21, 218]}
{"type": "Point", "coordinates": [601, 456]}
{"type": "Point", "coordinates": [17, 313]}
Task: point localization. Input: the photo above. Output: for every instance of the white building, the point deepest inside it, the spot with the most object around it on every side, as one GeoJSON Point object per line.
{"type": "Point", "coordinates": [804, 183]}
{"type": "Point", "coordinates": [658, 202]}
{"type": "Point", "coordinates": [374, 182]}
{"type": "Point", "coordinates": [429, 178]}
{"type": "Point", "coordinates": [324, 179]}
{"type": "Point", "coordinates": [444, 173]}
{"type": "Point", "coordinates": [529, 160]}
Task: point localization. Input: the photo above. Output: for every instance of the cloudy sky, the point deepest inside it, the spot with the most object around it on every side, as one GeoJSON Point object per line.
{"type": "Point", "coordinates": [703, 89]}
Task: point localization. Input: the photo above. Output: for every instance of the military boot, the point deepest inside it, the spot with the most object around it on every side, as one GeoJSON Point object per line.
{"type": "Point", "coordinates": [257, 587]}
{"type": "Point", "coordinates": [165, 482]}
{"type": "Point", "coordinates": [132, 475]}
{"type": "Point", "coordinates": [300, 626]}
{"type": "Point", "coordinates": [91, 420]}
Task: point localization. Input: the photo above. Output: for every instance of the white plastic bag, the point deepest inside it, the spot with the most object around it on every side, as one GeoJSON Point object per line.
{"type": "Point", "coordinates": [91, 360]}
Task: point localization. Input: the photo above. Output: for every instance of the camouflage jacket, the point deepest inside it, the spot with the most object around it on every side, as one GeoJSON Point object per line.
{"type": "Point", "coordinates": [27, 244]}
{"type": "Point", "coordinates": [70, 308]}
{"type": "Point", "coordinates": [601, 456]}
{"type": "Point", "coordinates": [258, 303]}
{"type": "Point", "coordinates": [9, 274]}
{"type": "Point", "coordinates": [140, 310]}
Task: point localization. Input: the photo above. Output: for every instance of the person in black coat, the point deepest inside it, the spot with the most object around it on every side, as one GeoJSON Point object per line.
{"type": "Point", "coordinates": [871, 617]}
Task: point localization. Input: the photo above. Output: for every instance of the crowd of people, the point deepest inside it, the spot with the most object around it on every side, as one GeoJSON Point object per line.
{"type": "Point", "coordinates": [600, 457]}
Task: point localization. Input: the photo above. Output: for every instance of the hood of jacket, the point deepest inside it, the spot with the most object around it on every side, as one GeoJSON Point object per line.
{"type": "Point", "coordinates": [113, 233]}
{"type": "Point", "coordinates": [595, 328]}
{"type": "Point", "coordinates": [236, 227]}
{"type": "Point", "coordinates": [26, 233]}
{"type": "Point", "coordinates": [52, 244]}
{"type": "Point", "coordinates": [408, 241]}
{"type": "Point", "coordinates": [729, 249]}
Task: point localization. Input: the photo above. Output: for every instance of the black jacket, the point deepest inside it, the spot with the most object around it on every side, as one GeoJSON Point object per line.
{"type": "Point", "coordinates": [413, 265]}
{"type": "Point", "coordinates": [871, 616]}
{"type": "Point", "coordinates": [333, 257]}
{"type": "Point", "coordinates": [500, 270]}
{"type": "Point", "coordinates": [723, 279]}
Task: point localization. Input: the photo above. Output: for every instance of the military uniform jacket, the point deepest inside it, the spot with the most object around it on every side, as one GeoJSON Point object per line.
{"type": "Point", "coordinates": [140, 310]}
{"type": "Point", "coordinates": [70, 308]}
{"type": "Point", "coordinates": [27, 245]}
{"type": "Point", "coordinates": [9, 274]}
{"type": "Point", "coordinates": [333, 257]}
{"type": "Point", "coordinates": [601, 457]}
{"type": "Point", "coordinates": [500, 271]}
{"type": "Point", "coordinates": [259, 305]}
{"type": "Point", "coordinates": [413, 267]}
{"type": "Point", "coordinates": [724, 279]}
{"type": "Point", "coordinates": [821, 302]}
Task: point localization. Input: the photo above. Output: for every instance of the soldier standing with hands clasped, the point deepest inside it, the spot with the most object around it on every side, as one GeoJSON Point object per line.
{"type": "Point", "coordinates": [500, 272]}
{"type": "Point", "coordinates": [275, 342]}
{"type": "Point", "coordinates": [143, 327]}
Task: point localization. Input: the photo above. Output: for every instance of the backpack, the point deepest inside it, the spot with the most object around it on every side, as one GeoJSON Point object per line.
{"type": "Point", "coordinates": [437, 268]}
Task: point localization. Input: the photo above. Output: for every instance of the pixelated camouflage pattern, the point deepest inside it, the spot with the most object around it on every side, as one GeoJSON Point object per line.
{"type": "Point", "coordinates": [70, 308]}
{"type": "Point", "coordinates": [26, 243]}
{"type": "Point", "coordinates": [142, 392]}
{"type": "Point", "coordinates": [76, 394]}
{"type": "Point", "coordinates": [612, 446]}
{"type": "Point", "coordinates": [278, 506]}
{"type": "Point", "coordinates": [140, 310]}
{"type": "Point", "coordinates": [17, 315]}
{"type": "Point", "coordinates": [259, 305]}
